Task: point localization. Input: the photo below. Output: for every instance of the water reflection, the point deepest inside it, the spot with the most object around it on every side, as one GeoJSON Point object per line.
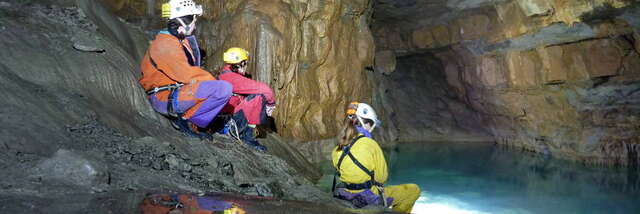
{"type": "Point", "coordinates": [442, 204]}
{"type": "Point", "coordinates": [482, 178]}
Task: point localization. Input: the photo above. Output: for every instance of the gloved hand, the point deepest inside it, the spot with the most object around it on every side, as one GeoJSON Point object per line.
{"type": "Point", "coordinates": [270, 109]}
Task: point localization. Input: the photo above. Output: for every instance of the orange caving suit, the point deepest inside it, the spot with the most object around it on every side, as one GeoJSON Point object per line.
{"type": "Point", "coordinates": [169, 61]}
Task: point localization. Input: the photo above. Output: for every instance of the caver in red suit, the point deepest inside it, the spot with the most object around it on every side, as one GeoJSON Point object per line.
{"type": "Point", "coordinates": [254, 99]}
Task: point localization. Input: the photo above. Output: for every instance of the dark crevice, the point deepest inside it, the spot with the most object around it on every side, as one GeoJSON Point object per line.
{"type": "Point", "coordinates": [577, 41]}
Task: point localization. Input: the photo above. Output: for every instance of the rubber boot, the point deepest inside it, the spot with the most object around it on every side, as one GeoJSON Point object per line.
{"type": "Point", "coordinates": [246, 132]}
{"type": "Point", "coordinates": [186, 128]}
{"type": "Point", "coordinates": [248, 137]}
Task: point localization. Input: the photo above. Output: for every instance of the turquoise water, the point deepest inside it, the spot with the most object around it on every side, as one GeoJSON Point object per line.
{"type": "Point", "coordinates": [483, 178]}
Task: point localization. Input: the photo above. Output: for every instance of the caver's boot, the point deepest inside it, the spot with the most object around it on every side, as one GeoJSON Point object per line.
{"type": "Point", "coordinates": [248, 137]}
{"type": "Point", "coordinates": [189, 129]}
{"type": "Point", "coordinates": [244, 131]}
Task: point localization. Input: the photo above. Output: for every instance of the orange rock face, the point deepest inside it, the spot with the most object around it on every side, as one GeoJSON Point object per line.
{"type": "Point", "coordinates": [313, 53]}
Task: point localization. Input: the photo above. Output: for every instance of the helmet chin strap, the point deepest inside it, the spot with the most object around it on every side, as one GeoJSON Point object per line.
{"type": "Point", "coordinates": [364, 125]}
{"type": "Point", "coordinates": [187, 30]}
{"type": "Point", "coordinates": [241, 71]}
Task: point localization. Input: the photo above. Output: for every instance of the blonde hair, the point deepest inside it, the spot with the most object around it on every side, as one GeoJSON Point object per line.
{"type": "Point", "coordinates": [347, 134]}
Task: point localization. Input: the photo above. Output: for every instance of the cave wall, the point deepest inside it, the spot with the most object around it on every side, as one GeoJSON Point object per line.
{"type": "Point", "coordinates": [556, 77]}
{"type": "Point", "coordinates": [313, 53]}
{"type": "Point", "coordinates": [419, 105]}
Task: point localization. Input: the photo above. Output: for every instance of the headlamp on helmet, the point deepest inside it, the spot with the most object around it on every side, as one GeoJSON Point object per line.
{"type": "Point", "coordinates": [363, 112]}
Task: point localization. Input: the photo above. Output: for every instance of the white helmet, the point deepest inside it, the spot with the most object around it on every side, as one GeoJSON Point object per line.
{"type": "Point", "coordinates": [180, 8]}
{"type": "Point", "coordinates": [363, 111]}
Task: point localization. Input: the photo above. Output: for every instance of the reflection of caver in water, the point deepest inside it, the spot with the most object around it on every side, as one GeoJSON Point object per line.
{"type": "Point", "coordinates": [171, 74]}
{"type": "Point", "coordinates": [188, 204]}
{"type": "Point", "coordinates": [252, 101]}
{"type": "Point", "coordinates": [362, 168]}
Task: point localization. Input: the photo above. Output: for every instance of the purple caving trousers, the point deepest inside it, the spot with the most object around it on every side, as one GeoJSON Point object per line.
{"type": "Point", "coordinates": [361, 199]}
{"type": "Point", "coordinates": [211, 96]}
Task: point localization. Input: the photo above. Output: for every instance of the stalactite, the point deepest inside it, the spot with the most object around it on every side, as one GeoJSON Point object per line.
{"type": "Point", "coordinates": [150, 8]}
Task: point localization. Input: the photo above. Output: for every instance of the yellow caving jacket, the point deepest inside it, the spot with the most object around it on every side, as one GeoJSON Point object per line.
{"type": "Point", "coordinates": [369, 154]}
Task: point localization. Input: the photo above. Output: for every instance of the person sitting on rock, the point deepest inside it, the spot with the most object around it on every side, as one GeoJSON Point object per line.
{"type": "Point", "coordinates": [361, 165]}
{"type": "Point", "coordinates": [175, 83]}
{"type": "Point", "coordinates": [252, 101]}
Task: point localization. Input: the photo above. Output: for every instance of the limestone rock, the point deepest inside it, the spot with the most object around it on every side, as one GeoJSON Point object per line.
{"type": "Point", "coordinates": [456, 33]}
{"type": "Point", "coordinates": [575, 11]}
{"type": "Point", "coordinates": [491, 71]}
{"type": "Point", "coordinates": [422, 38]}
{"type": "Point", "coordinates": [513, 19]}
{"type": "Point", "coordinates": [416, 115]}
{"type": "Point", "coordinates": [535, 7]}
{"type": "Point", "coordinates": [630, 70]}
{"type": "Point", "coordinates": [573, 114]}
{"type": "Point", "coordinates": [631, 67]}
{"type": "Point", "coordinates": [311, 53]}
{"type": "Point", "coordinates": [555, 70]}
{"type": "Point", "coordinates": [603, 58]}
{"type": "Point", "coordinates": [575, 61]}
{"type": "Point", "coordinates": [547, 76]}
{"type": "Point", "coordinates": [394, 40]}
{"type": "Point", "coordinates": [465, 4]}
{"type": "Point", "coordinates": [474, 27]}
{"type": "Point", "coordinates": [71, 168]}
{"type": "Point", "coordinates": [385, 62]}
{"type": "Point", "coordinates": [523, 69]}
{"type": "Point", "coordinates": [453, 76]}
{"type": "Point", "coordinates": [636, 37]}
{"type": "Point", "coordinates": [441, 35]}
{"type": "Point", "coordinates": [381, 38]}
{"type": "Point", "coordinates": [131, 8]}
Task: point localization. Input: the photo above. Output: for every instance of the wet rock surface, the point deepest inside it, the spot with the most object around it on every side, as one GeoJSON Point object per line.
{"type": "Point", "coordinates": [102, 164]}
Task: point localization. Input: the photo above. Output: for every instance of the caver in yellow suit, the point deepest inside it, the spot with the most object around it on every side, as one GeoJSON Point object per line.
{"type": "Point", "coordinates": [361, 165]}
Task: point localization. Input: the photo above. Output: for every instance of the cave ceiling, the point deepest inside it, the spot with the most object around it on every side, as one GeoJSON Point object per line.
{"type": "Point", "coordinates": [415, 13]}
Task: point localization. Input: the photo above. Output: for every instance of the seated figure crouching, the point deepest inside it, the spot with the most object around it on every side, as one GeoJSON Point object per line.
{"type": "Point", "coordinates": [361, 165]}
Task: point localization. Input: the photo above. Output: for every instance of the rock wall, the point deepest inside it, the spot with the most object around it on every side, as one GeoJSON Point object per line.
{"type": "Point", "coordinates": [417, 104]}
{"type": "Point", "coordinates": [313, 53]}
{"type": "Point", "coordinates": [556, 77]}
{"type": "Point", "coordinates": [58, 69]}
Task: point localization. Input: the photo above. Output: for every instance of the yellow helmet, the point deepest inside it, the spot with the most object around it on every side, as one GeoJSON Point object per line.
{"type": "Point", "coordinates": [235, 55]}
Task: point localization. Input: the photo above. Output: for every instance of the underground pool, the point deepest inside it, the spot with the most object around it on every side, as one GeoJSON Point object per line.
{"type": "Point", "coordinates": [461, 178]}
